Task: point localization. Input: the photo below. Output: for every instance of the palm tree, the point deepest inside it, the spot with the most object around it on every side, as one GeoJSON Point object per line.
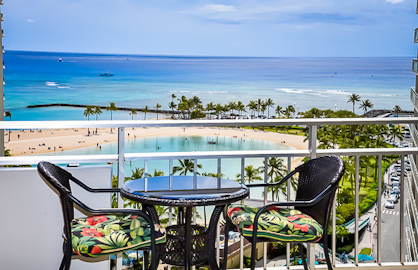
{"type": "Point", "coordinates": [172, 106]}
{"type": "Point", "coordinates": [186, 165]}
{"type": "Point", "coordinates": [173, 97]}
{"type": "Point", "coordinates": [137, 173]}
{"type": "Point", "coordinates": [275, 170]}
{"type": "Point", "coordinates": [251, 174]}
{"type": "Point", "coordinates": [8, 114]}
{"type": "Point", "coordinates": [366, 104]}
{"type": "Point", "coordinates": [353, 98]}
{"type": "Point", "coordinates": [252, 106]}
{"type": "Point", "coordinates": [112, 107]}
{"type": "Point", "coordinates": [218, 109]}
{"type": "Point", "coordinates": [97, 111]}
{"type": "Point", "coordinates": [269, 102]}
{"type": "Point", "coordinates": [240, 107]}
{"type": "Point", "coordinates": [289, 111]}
{"type": "Point", "coordinates": [157, 107]}
{"type": "Point", "coordinates": [210, 107]}
{"type": "Point", "coordinates": [259, 103]}
{"type": "Point", "coordinates": [87, 112]}
{"type": "Point", "coordinates": [133, 112]}
{"type": "Point", "coordinates": [146, 109]}
{"type": "Point", "coordinates": [397, 109]}
{"type": "Point", "coordinates": [279, 110]}
{"type": "Point", "coordinates": [395, 132]}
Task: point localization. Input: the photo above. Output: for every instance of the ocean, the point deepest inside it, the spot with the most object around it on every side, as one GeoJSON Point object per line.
{"type": "Point", "coordinates": [34, 78]}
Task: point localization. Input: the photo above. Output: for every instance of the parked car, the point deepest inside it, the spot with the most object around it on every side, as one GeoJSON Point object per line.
{"type": "Point", "coordinates": [396, 189]}
{"type": "Point", "coordinates": [389, 204]}
{"type": "Point", "coordinates": [394, 198]}
{"type": "Point", "coordinates": [395, 178]}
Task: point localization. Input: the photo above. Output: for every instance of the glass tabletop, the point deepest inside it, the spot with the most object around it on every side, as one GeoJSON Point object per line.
{"type": "Point", "coordinates": [183, 187]}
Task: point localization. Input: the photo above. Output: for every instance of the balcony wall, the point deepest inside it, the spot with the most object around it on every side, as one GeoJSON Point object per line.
{"type": "Point", "coordinates": [32, 222]}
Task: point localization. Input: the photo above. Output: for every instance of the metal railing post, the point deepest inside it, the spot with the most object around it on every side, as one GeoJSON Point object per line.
{"type": "Point", "coordinates": [356, 213]}
{"type": "Point", "coordinates": [402, 211]}
{"type": "Point", "coordinates": [312, 148]}
{"type": "Point", "coordinates": [379, 213]}
{"type": "Point", "coordinates": [289, 186]}
{"type": "Point", "coordinates": [121, 177]}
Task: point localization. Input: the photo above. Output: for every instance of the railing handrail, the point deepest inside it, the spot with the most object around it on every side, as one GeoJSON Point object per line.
{"type": "Point", "coordinates": [203, 123]}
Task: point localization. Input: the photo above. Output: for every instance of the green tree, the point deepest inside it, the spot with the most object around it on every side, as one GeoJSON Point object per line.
{"type": "Point", "coordinates": [289, 111]}
{"type": "Point", "coordinates": [269, 102]}
{"type": "Point", "coordinates": [250, 174]}
{"type": "Point", "coordinates": [97, 111]}
{"type": "Point", "coordinates": [397, 110]}
{"type": "Point", "coordinates": [156, 108]}
{"type": "Point", "coordinates": [87, 112]}
{"type": "Point", "coordinates": [365, 105]}
{"type": "Point", "coordinates": [186, 165]}
{"type": "Point", "coordinates": [133, 112]}
{"type": "Point", "coordinates": [353, 98]}
{"type": "Point", "coordinates": [209, 108]}
{"type": "Point", "coordinates": [8, 114]}
{"type": "Point", "coordinates": [252, 106]}
{"type": "Point", "coordinates": [279, 110]}
{"type": "Point", "coordinates": [172, 106]}
{"type": "Point", "coordinates": [276, 170]}
{"type": "Point", "coordinates": [395, 132]}
{"type": "Point", "coordinates": [112, 107]}
{"type": "Point", "coordinates": [146, 109]}
{"type": "Point", "coordinates": [240, 107]}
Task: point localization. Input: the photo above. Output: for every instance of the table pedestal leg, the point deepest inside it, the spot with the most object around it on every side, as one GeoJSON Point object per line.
{"type": "Point", "coordinates": [188, 239]}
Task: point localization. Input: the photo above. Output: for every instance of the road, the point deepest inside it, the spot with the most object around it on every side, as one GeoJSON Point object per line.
{"type": "Point", "coordinates": [390, 229]}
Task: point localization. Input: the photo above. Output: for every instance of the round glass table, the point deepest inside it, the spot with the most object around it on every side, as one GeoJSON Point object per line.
{"type": "Point", "coordinates": [187, 244]}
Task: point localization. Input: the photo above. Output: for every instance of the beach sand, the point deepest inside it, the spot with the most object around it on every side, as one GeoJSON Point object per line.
{"type": "Point", "coordinates": [47, 141]}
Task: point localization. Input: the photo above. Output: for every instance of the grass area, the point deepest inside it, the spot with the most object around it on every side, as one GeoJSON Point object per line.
{"type": "Point", "coordinates": [366, 251]}
{"type": "Point", "coordinates": [294, 130]}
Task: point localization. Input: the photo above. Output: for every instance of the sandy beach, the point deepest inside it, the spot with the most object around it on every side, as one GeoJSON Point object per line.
{"type": "Point", "coordinates": [47, 141]}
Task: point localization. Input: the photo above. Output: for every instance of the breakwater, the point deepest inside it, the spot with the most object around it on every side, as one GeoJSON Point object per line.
{"type": "Point", "coordinates": [101, 107]}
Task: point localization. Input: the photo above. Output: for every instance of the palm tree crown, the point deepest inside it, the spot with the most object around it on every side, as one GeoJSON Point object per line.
{"type": "Point", "coordinates": [353, 98]}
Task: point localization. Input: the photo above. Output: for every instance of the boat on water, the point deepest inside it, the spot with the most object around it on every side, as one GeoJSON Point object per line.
{"type": "Point", "coordinates": [60, 60]}
{"type": "Point", "coordinates": [106, 74]}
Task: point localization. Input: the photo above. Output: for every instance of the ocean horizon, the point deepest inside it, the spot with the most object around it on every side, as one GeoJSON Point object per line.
{"type": "Point", "coordinates": [34, 78]}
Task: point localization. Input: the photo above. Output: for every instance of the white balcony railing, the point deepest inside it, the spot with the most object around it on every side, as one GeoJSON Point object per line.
{"type": "Point", "coordinates": [312, 151]}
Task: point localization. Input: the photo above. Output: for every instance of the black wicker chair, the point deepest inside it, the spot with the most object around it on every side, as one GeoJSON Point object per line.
{"type": "Point", "coordinates": [307, 220]}
{"type": "Point", "coordinates": [108, 231]}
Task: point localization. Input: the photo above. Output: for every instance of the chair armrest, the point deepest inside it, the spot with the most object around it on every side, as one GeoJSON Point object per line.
{"type": "Point", "coordinates": [126, 211]}
{"type": "Point", "coordinates": [284, 179]}
{"type": "Point", "coordinates": [94, 190]}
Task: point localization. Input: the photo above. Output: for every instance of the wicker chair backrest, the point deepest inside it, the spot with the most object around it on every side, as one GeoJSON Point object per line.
{"type": "Point", "coordinates": [60, 180]}
{"type": "Point", "coordinates": [315, 176]}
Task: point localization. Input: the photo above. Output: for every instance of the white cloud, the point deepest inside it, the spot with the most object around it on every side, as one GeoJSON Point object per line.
{"type": "Point", "coordinates": [30, 21]}
{"type": "Point", "coordinates": [394, 1]}
{"type": "Point", "coordinates": [218, 8]}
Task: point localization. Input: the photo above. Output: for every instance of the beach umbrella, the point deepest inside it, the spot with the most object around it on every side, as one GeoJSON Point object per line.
{"type": "Point", "coordinates": [365, 257]}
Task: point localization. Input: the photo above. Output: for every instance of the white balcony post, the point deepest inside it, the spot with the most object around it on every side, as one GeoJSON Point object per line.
{"type": "Point", "coordinates": [356, 212]}
{"type": "Point", "coordinates": [379, 212]}
{"type": "Point", "coordinates": [121, 177]}
{"type": "Point", "coordinates": [312, 148]}
{"type": "Point", "coordinates": [289, 187]}
{"type": "Point", "coordinates": [402, 212]}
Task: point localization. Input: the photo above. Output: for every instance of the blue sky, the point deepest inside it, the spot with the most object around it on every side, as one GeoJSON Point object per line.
{"type": "Point", "coordinates": [213, 28]}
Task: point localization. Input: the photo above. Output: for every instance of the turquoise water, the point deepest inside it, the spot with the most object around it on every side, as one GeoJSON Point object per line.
{"type": "Point", "coordinates": [230, 166]}
{"type": "Point", "coordinates": [140, 80]}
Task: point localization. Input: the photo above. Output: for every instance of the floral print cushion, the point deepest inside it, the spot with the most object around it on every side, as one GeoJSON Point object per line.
{"type": "Point", "coordinates": [104, 235]}
{"type": "Point", "coordinates": [284, 225]}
